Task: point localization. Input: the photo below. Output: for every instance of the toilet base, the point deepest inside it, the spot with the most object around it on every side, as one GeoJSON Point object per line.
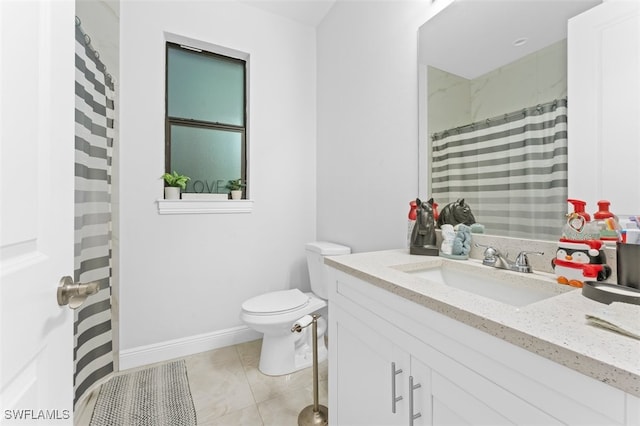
{"type": "Point", "coordinates": [287, 354]}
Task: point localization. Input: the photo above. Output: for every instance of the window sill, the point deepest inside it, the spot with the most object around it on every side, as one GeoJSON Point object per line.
{"type": "Point", "coordinates": [204, 206]}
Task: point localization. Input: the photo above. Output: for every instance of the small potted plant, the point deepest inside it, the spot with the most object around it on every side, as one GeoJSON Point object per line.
{"type": "Point", "coordinates": [175, 182]}
{"type": "Point", "coordinates": [235, 186]}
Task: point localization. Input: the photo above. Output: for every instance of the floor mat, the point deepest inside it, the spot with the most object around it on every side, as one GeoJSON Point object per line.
{"type": "Point", "coordinates": [155, 396]}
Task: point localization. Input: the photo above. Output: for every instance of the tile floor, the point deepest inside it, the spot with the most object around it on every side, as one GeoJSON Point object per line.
{"type": "Point", "coordinates": [229, 390]}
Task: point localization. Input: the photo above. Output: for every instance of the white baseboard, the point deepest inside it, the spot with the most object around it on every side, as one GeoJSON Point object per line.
{"type": "Point", "coordinates": [177, 348]}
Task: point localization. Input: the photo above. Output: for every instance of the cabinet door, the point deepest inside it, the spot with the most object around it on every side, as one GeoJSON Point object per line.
{"type": "Point", "coordinates": [453, 405]}
{"type": "Point", "coordinates": [419, 394]}
{"type": "Point", "coordinates": [364, 381]}
{"type": "Point", "coordinates": [447, 393]}
{"type": "Point", "coordinates": [463, 397]}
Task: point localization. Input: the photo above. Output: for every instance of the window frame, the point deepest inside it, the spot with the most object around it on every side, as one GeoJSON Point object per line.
{"type": "Point", "coordinates": [210, 52]}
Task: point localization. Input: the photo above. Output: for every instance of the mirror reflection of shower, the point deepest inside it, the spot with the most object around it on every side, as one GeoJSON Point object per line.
{"type": "Point", "coordinates": [500, 57]}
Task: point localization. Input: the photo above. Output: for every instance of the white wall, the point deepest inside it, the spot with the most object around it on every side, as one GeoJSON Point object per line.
{"type": "Point", "coordinates": [368, 121]}
{"type": "Point", "coordinates": [461, 101]}
{"type": "Point", "coordinates": [450, 96]}
{"type": "Point", "coordinates": [101, 19]}
{"type": "Point", "coordinates": [187, 275]}
{"type": "Point", "coordinates": [537, 78]}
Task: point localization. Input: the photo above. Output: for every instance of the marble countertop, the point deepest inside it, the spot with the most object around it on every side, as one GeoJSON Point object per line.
{"type": "Point", "coordinates": [555, 328]}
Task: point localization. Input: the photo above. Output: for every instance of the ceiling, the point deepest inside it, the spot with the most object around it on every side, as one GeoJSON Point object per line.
{"type": "Point", "coordinates": [307, 12]}
{"type": "Point", "coordinates": [470, 38]}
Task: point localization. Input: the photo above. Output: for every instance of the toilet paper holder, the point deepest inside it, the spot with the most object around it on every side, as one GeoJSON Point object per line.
{"type": "Point", "coordinates": [303, 322]}
{"type": "Point", "coordinates": [313, 414]}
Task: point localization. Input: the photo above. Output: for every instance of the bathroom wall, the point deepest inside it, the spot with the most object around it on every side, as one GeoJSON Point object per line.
{"type": "Point", "coordinates": [534, 79]}
{"type": "Point", "coordinates": [184, 277]}
{"type": "Point", "coordinates": [368, 121]}
{"type": "Point", "coordinates": [449, 99]}
{"type": "Point", "coordinates": [102, 18]}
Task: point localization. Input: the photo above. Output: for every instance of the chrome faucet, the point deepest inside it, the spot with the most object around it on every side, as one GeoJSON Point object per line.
{"type": "Point", "coordinates": [493, 257]}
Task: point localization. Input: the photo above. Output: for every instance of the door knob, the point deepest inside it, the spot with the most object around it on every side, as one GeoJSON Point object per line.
{"type": "Point", "coordinates": [75, 294]}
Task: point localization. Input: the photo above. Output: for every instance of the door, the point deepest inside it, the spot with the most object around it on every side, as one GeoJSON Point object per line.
{"type": "Point", "coordinates": [604, 106]}
{"type": "Point", "coordinates": [36, 207]}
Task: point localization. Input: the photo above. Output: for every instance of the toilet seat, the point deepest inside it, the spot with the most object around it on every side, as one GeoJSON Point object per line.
{"type": "Point", "coordinates": [288, 313]}
{"type": "Point", "coordinates": [276, 302]}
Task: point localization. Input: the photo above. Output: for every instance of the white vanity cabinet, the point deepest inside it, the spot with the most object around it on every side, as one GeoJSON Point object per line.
{"type": "Point", "coordinates": [386, 377]}
{"type": "Point", "coordinates": [460, 375]}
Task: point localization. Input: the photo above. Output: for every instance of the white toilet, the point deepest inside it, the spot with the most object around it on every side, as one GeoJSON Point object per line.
{"type": "Point", "coordinates": [273, 314]}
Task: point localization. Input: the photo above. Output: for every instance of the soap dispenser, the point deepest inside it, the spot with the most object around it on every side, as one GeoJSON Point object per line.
{"type": "Point", "coordinates": [579, 208]}
{"type": "Point", "coordinates": [579, 225]}
{"type": "Point", "coordinates": [607, 222]}
{"type": "Point", "coordinates": [580, 256]}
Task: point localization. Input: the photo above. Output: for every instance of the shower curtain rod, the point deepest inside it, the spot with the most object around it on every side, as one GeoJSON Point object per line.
{"type": "Point", "coordinates": [87, 41]}
{"type": "Point", "coordinates": [501, 119]}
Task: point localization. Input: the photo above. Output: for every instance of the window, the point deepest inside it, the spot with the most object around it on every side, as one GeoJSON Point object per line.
{"type": "Point", "coordinates": [206, 137]}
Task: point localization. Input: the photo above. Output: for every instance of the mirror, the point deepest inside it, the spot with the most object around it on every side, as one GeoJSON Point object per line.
{"type": "Point", "coordinates": [484, 60]}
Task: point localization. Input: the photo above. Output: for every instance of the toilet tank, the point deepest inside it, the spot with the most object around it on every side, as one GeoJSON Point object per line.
{"type": "Point", "coordinates": [316, 252]}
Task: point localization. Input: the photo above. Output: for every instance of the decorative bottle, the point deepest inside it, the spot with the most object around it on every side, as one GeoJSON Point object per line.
{"type": "Point", "coordinates": [413, 215]}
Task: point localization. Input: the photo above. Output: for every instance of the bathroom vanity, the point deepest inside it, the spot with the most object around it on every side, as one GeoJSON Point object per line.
{"type": "Point", "coordinates": [410, 345]}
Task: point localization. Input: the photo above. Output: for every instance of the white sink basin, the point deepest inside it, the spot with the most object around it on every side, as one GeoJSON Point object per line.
{"type": "Point", "coordinates": [500, 285]}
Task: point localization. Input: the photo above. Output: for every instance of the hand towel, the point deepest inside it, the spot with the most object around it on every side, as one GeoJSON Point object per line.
{"type": "Point", "coordinates": [621, 317]}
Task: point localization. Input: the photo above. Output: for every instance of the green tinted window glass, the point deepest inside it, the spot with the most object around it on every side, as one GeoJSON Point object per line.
{"type": "Point", "coordinates": [205, 118]}
{"type": "Point", "coordinates": [210, 157]}
{"type": "Point", "coordinates": [205, 87]}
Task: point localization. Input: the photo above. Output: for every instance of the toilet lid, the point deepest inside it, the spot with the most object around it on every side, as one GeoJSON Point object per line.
{"type": "Point", "coordinates": [276, 302]}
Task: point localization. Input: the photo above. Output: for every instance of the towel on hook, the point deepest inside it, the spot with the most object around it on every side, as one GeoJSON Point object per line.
{"type": "Point", "coordinates": [621, 317]}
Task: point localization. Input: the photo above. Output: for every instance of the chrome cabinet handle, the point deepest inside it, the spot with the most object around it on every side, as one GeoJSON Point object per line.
{"type": "Point", "coordinates": [412, 387]}
{"type": "Point", "coordinates": [394, 398]}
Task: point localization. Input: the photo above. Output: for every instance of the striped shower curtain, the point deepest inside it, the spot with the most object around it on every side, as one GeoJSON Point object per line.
{"type": "Point", "coordinates": [511, 170]}
{"type": "Point", "coordinates": [94, 133]}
